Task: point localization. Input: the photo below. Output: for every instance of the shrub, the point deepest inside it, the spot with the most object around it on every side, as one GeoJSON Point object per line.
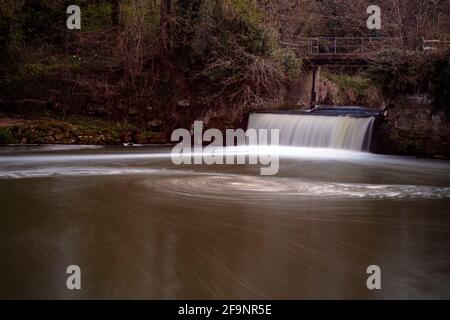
{"type": "Point", "coordinates": [440, 81]}
{"type": "Point", "coordinates": [43, 21]}
{"type": "Point", "coordinates": [228, 52]}
{"type": "Point", "coordinates": [400, 73]}
{"type": "Point", "coordinates": [6, 137]}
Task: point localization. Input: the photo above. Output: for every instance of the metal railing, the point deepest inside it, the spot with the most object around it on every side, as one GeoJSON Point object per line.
{"type": "Point", "coordinates": [354, 46]}
{"type": "Point", "coordinates": [433, 45]}
{"type": "Point", "coordinates": [341, 45]}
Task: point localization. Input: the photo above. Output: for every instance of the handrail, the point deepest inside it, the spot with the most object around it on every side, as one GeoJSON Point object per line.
{"type": "Point", "coordinates": [342, 46]}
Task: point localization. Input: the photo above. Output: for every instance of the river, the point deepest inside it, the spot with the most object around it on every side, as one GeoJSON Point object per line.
{"type": "Point", "coordinates": [141, 227]}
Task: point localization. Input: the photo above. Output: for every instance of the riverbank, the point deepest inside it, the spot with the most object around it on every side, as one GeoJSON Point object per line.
{"type": "Point", "coordinates": [403, 131]}
{"type": "Point", "coordinates": [74, 130]}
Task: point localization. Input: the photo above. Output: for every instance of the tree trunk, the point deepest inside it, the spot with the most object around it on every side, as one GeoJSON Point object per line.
{"type": "Point", "coordinates": [165, 11]}
{"type": "Point", "coordinates": [115, 12]}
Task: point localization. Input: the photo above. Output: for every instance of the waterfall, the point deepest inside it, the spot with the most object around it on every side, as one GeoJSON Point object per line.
{"type": "Point", "coordinates": [342, 132]}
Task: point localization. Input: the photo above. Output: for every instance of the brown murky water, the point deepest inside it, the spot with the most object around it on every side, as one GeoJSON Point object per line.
{"type": "Point", "coordinates": [140, 227]}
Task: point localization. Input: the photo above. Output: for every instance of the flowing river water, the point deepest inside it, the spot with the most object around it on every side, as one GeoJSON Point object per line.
{"type": "Point", "coordinates": [141, 227]}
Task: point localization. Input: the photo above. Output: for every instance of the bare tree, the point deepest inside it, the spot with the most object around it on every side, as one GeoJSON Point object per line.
{"type": "Point", "coordinates": [164, 21]}
{"type": "Point", "coordinates": [165, 11]}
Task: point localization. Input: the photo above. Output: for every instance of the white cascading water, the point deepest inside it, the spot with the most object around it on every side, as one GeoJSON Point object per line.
{"type": "Point", "coordinates": [341, 132]}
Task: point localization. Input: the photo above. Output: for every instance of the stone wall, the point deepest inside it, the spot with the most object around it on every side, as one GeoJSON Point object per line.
{"type": "Point", "coordinates": [299, 90]}
{"type": "Point", "coordinates": [412, 126]}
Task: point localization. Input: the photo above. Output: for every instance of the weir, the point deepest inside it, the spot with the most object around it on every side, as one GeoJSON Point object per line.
{"type": "Point", "coordinates": [347, 128]}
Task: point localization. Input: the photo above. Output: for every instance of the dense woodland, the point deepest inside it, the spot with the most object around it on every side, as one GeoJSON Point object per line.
{"type": "Point", "coordinates": [142, 61]}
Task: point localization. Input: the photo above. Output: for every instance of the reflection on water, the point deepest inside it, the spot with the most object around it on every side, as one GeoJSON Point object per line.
{"type": "Point", "coordinates": [141, 227]}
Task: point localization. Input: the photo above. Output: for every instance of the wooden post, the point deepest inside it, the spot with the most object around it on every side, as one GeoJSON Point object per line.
{"type": "Point", "coordinates": [315, 83]}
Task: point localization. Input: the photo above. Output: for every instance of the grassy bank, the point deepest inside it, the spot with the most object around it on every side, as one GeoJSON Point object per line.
{"type": "Point", "coordinates": [74, 130]}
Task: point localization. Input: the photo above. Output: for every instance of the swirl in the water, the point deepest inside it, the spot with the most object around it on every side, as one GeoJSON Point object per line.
{"type": "Point", "coordinates": [238, 186]}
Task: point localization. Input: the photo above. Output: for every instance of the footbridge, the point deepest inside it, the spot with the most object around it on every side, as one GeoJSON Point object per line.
{"type": "Point", "coordinates": [349, 51]}
{"type": "Point", "coordinates": [352, 50]}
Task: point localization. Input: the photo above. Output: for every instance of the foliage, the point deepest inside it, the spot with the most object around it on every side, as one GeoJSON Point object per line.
{"type": "Point", "coordinates": [347, 89]}
{"type": "Point", "coordinates": [96, 16]}
{"type": "Point", "coordinates": [402, 72]}
{"type": "Point", "coordinates": [9, 36]}
{"type": "Point", "coordinates": [6, 137]}
{"type": "Point", "coordinates": [227, 51]}
{"type": "Point", "coordinates": [355, 82]}
{"type": "Point", "coordinates": [440, 84]}
{"type": "Point", "coordinates": [42, 21]}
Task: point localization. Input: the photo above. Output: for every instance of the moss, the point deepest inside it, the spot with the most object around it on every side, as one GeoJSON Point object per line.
{"type": "Point", "coordinates": [38, 70]}
{"type": "Point", "coordinates": [32, 70]}
{"type": "Point", "coordinates": [354, 82]}
{"type": "Point", "coordinates": [406, 143]}
{"type": "Point", "coordinates": [78, 130]}
{"type": "Point", "coordinates": [96, 17]}
{"type": "Point", "coordinates": [345, 89]}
